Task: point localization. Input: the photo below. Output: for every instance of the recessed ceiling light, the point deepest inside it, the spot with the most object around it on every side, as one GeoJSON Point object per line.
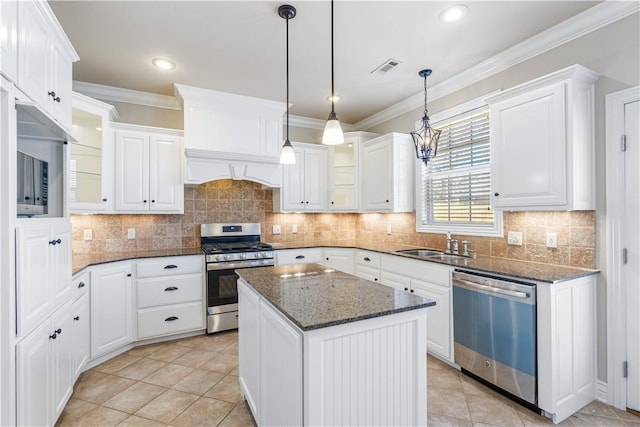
{"type": "Point", "coordinates": [163, 63]}
{"type": "Point", "coordinates": [334, 98]}
{"type": "Point", "coordinates": [454, 13]}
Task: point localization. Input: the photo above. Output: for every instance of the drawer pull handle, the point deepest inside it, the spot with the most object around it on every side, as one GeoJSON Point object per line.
{"type": "Point", "coordinates": [76, 318]}
{"type": "Point", "coordinates": [81, 285]}
{"type": "Point", "coordinates": [367, 259]}
{"type": "Point", "coordinates": [170, 266]}
{"type": "Point", "coordinates": [171, 319]}
{"type": "Point", "coordinates": [300, 257]}
{"type": "Point", "coordinates": [170, 288]}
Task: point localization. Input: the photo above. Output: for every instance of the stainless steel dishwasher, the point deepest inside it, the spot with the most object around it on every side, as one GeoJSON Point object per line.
{"type": "Point", "coordinates": [495, 331]}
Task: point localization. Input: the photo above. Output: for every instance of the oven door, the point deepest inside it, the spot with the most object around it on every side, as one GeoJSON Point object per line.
{"type": "Point", "coordinates": [222, 287]}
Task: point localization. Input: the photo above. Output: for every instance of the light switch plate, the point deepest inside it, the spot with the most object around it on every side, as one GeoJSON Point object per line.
{"type": "Point", "coordinates": [552, 240]}
{"type": "Point", "coordinates": [131, 233]}
{"type": "Point", "coordinates": [514, 238]}
{"type": "Point", "coordinates": [277, 229]}
{"type": "Point", "coordinates": [294, 228]}
{"type": "Point", "coordinates": [88, 234]}
{"type": "Point", "coordinates": [388, 228]}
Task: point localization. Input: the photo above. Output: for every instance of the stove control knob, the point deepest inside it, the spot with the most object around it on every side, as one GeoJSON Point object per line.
{"type": "Point", "coordinates": [215, 257]}
{"type": "Point", "coordinates": [256, 255]}
{"type": "Point", "coordinates": [227, 257]}
{"type": "Point", "coordinates": [243, 256]}
{"type": "Point", "coordinates": [264, 254]}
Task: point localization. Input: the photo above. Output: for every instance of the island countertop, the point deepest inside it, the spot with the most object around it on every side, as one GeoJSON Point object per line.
{"type": "Point", "coordinates": [313, 296]}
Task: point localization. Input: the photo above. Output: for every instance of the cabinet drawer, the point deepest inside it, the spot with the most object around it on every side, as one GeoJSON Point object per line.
{"type": "Point", "coordinates": [170, 266]}
{"type": "Point", "coordinates": [161, 321]}
{"type": "Point", "coordinates": [368, 273]}
{"type": "Point", "coordinates": [298, 256]}
{"type": "Point", "coordinates": [80, 285]}
{"type": "Point", "coordinates": [169, 290]}
{"type": "Point", "coordinates": [368, 258]}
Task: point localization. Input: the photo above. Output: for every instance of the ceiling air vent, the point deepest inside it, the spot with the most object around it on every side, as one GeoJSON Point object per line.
{"type": "Point", "coordinates": [386, 66]}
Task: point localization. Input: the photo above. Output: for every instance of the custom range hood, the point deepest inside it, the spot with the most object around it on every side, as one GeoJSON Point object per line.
{"type": "Point", "coordinates": [230, 136]}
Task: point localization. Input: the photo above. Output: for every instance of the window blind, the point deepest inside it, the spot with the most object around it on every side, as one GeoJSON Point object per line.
{"type": "Point", "coordinates": [456, 184]}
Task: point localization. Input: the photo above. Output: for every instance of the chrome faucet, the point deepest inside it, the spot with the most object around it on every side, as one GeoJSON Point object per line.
{"type": "Point", "coordinates": [455, 246]}
{"type": "Point", "coordinates": [465, 248]}
{"type": "Point", "coordinates": [448, 251]}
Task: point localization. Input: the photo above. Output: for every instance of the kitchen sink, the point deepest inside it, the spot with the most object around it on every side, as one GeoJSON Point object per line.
{"type": "Point", "coordinates": [420, 252]}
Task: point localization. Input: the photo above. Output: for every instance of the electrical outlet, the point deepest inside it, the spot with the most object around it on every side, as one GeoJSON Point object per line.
{"type": "Point", "coordinates": [131, 233]}
{"type": "Point", "coordinates": [552, 240]}
{"type": "Point", "coordinates": [514, 238]}
{"type": "Point", "coordinates": [88, 234]}
{"type": "Point", "coordinates": [388, 228]}
{"type": "Point", "coordinates": [277, 229]}
{"type": "Point", "coordinates": [294, 228]}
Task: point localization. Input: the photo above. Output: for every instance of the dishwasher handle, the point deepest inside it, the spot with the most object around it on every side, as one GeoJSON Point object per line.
{"type": "Point", "coordinates": [492, 289]}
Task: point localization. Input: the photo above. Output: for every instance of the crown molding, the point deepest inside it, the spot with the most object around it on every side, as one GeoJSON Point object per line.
{"type": "Point", "coordinates": [309, 123]}
{"type": "Point", "coordinates": [117, 94]}
{"type": "Point", "coordinates": [592, 19]}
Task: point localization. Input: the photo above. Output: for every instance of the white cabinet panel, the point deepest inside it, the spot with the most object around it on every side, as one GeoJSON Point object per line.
{"type": "Point", "coordinates": [298, 256]}
{"type": "Point", "coordinates": [304, 184]}
{"type": "Point", "coordinates": [81, 334]}
{"type": "Point", "coordinates": [249, 346]}
{"type": "Point", "coordinates": [170, 319]}
{"type": "Point", "coordinates": [63, 357]}
{"type": "Point", "coordinates": [439, 327]}
{"type": "Point", "coordinates": [9, 39]}
{"type": "Point", "coordinates": [339, 259]}
{"type": "Point", "coordinates": [33, 378]}
{"type": "Point", "coordinates": [165, 169]}
{"type": "Point", "coordinates": [170, 290]}
{"type": "Point", "coordinates": [132, 172]}
{"type": "Point", "coordinates": [170, 266]}
{"type": "Point", "coordinates": [61, 264]}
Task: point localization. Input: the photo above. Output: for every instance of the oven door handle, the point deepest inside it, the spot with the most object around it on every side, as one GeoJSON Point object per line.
{"type": "Point", "coordinates": [500, 291]}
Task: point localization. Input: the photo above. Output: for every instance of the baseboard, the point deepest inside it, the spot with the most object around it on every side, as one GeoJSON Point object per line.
{"type": "Point", "coordinates": [602, 391]}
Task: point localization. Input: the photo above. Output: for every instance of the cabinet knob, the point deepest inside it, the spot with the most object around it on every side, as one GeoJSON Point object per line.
{"type": "Point", "coordinates": [332, 203]}
{"type": "Point", "coordinates": [411, 291]}
{"type": "Point", "coordinates": [55, 242]}
{"type": "Point", "coordinates": [81, 285]}
{"type": "Point", "coordinates": [496, 194]}
{"type": "Point", "coordinates": [327, 258]}
{"type": "Point", "coordinates": [375, 279]}
{"type": "Point", "coordinates": [171, 318]}
{"type": "Point", "coordinates": [302, 202]}
{"type": "Point", "coordinates": [76, 318]}
{"type": "Point", "coordinates": [367, 259]}
{"type": "Point", "coordinates": [57, 99]}
{"type": "Point", "coordinates": [144, 201]}
{"type": "Point", "coordinates": [53, 336]}
{"type": "Point", "coordinates": [52, 94]}
{"type": "Point", "coordinates": [58, 331]}
{"type": "Point", "coordinates": [104, 200]}
{"type": "Point", "coordinates": [128, 274]}
{"type": "Point", "coordinates": [153, 201]}
{"type": "Point", "coordinates": [406, 289]}
{"type": "Point", "coordinates": [307, 202]}
{"type": "Point", "coordinates": [387, 200]}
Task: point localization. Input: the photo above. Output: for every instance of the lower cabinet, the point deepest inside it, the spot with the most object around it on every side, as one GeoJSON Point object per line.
{"type": "Point", "coordinates": [339, 259]}
{"type": "Point", "coordinates": [81, 334]}
{"type": "Point", "coordinates": [298, 256]}
{"type": "Point", "coordinates": [111, 308]}
{"type": "Point", "coordinates": [44, 370]}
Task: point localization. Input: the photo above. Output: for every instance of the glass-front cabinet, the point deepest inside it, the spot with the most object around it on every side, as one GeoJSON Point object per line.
{"type": "Point", "coordinates": [91, 156]}
{"type": "Point", "coordinates": [344, 193]}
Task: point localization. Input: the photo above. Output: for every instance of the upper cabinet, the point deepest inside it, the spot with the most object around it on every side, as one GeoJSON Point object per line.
{"type": "Point", "coordinates": [387, 173]}
{"type": "Point", "coordinates": [542, 143]}
{"type": "Point", "coordinates": [344, 172]}
{"type": "Point", "coordinates": [9, 39]}
{"type": "Point", "coordinates": [148, 170]}
{"type": "Point", "coordinates": [230, 136]}
{"type": "Point", "coordinates": [45, 58]}
{"type": "Point", "coordinates": [304, 184]}
{"type": "Point", "coordinates": [91, 162]}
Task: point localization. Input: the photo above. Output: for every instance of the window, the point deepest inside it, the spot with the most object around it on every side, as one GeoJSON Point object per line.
{"type": "Point", "coordinates": [454, 188]}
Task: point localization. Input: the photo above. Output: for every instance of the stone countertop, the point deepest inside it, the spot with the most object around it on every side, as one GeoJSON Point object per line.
{"type": "Point", "coordinates": [539, 272]}
{"type": "Point", "coordinates": [314, 297]}
{"type": "Point", "coordinates": [82, 261]}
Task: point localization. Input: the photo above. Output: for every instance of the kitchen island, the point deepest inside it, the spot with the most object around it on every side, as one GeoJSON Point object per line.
{"type": "Point", "coordinates": [322, 347]}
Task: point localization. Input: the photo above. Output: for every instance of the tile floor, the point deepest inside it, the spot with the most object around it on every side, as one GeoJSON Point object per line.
{"type": "Point", "coordinates": [194, 382]}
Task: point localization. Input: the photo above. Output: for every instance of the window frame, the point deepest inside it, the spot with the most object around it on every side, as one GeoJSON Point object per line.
{"type": "Point", "coordinates": [494, 230]}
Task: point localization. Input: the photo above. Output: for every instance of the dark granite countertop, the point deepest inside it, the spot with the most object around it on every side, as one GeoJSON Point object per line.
{"type": "Point", "coordinates": [82, 261]}
{"type": "Point", "coordinates": [314, 297]}
{"type": "Point", "coordinates": [539, 272]}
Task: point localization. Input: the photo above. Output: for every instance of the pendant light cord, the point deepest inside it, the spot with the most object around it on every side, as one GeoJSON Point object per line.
{"type": "Point", "coordinates": [425, 97]}
{"type": "Point", "coordinates": [332, 85]}
{"type": "Point", "coordinates": [287, 74]}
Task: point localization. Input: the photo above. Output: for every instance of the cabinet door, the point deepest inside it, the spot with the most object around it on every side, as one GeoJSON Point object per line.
{"type": "Point", "coordinates": [315, 180]}
{"type": "Point", "coordinates": [34, 53]}
{"type": "Point", "coordinates": [438, 317]}
{"type": "Point", "coordinates": [9, 39]}
{"type": "Point", "coordinates": [343, 178]}
{"type": "Point", "coordinates": [111, 309]}
{"type": "Point", "coordinates": [33, 379]}
{"type": "Point", "coordinates": [528, 149]}
{"type": "Point", "coordinates": [292, 191]}
{"type": "Point", "coordinates": [33, 260]}
{"type": "Point", "coordinates": [81, 334]}
{"type": "Point", "coordinates": [339, 259]}
{"type": "Point", "coordinates": [61, 80]}
{"type": "Point", "coordinates": [249, 345]}
{"type": "Point", "coordinates": [165, 179]}
{"type": "Point", "coordinates": [397, 281]}
{"type": "Point", "coordinates": [377, 176]}
{"type": "Point", "coordinates": [62, 357]}
{"type": "Point", "coordinates": [61, 264]}
{"type": "Point", "coordinates": [132, 172]}
{"type": "Point", "coordinates": [367, 273]}
{"type": "Point", "coordinates": [280, 370]}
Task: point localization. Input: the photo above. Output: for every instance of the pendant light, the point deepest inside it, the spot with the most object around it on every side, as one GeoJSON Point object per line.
{"type": "Point", "coordinates": [287, 156]}
{"type": "Point", "coordinates": [332, 131]}
{"type": "Point", "coordinates": [426, 138]}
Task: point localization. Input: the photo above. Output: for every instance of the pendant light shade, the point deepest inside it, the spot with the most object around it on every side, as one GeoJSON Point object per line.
{"type": "Point", "coordinates": [287, 156]}
{"type": "Point", "coordinates": [333, 130]}
{"type": "Point", "coordinates": [426, 138]}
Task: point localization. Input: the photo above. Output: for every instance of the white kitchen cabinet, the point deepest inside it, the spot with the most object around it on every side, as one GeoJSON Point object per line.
{"type": "Point", "coordinates": [169, 295]}
{"type": "Point", "coordinates": [344, 172]}
{"type": "Point", "coordinates": [111, 308]}
{"type": "Point", "coordinates": [43, 271]}
{"type": "Point", "coordinates": [45, 58]}
{"type": "Point", "coordinates": [304, 184]}
{"type": "Point", "coordinates": [428, 280]}
{"type": "Point", "coordinates": [81, 333]}
{"type": "Point", "coordinates": [367, 265]}
{"type": "Point", "coordinates": [249, 347]}
{"type": "Point", "coordinates": [387, 173]}
{"type": "Point", "coordinates": [542, 143]}
{"type": "Point", "coordinates": [9, 39]}
{"type": "Point", "coordinates": [340, 259]}
{"type": "Point", "coordinates": [44, 370]}
{"type": "Point", "coordinates": [298, 256]}
{"type": "Point", "coordinates": [148, 170]}
{"type": "Point", "coordinates": [91, 166]}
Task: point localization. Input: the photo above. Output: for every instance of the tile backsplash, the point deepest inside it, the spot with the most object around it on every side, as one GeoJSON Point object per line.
{"type": "Point", "coordinates": [245, 201]}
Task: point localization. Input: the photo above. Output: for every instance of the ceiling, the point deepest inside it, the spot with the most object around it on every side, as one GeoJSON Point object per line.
{"type": "Point", "coordinates": [239, 46]}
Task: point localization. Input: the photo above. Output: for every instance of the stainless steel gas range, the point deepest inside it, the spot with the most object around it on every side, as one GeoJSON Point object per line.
{"type": "Point", "coordinates": [229, 246]}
